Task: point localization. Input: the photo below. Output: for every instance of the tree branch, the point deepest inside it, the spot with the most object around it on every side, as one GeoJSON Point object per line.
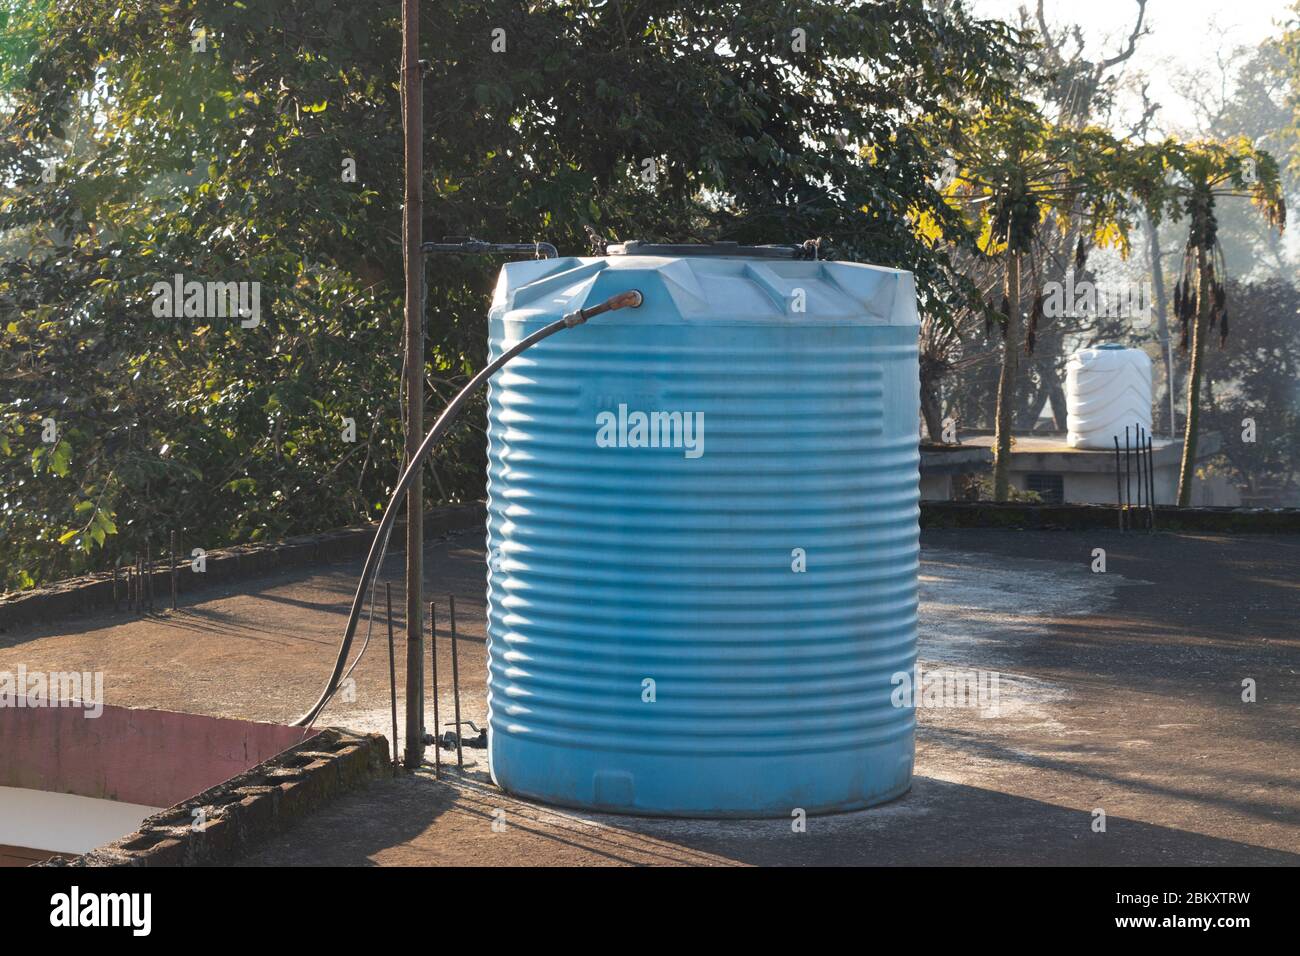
{"type": "Point", "coordinates": [1127, 52]}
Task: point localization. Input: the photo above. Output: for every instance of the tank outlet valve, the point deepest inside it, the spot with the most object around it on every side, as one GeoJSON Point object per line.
{"type": "Point", "coordinates": [448, 740]}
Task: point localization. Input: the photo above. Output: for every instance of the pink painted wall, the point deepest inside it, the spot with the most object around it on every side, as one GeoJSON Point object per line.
{"type": "Point", "coordinates": [153, 757]}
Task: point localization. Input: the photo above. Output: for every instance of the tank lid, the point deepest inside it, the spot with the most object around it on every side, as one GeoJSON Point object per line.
{"type": "Point", "coordinates": [636, 247]}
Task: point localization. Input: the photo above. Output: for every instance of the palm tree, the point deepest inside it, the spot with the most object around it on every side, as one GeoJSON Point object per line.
{"type": "Point", "coordinates": [1203, 173]}
{"type": "Point", "coordinates": [1016, 172]}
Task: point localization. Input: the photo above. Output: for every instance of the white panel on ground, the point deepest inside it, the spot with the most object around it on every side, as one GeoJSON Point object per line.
{"type": "Point", "coordinates": [65, 822]}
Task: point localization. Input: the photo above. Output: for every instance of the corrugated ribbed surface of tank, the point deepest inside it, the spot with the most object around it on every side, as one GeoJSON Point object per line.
{"type": "Point", "coordinates": [1107, 389]}
{"type": "Point", "coordinates": [702, 536]}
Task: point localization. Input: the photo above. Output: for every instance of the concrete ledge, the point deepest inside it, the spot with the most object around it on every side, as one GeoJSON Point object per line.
{"type": "Point", "coordinates": [938, 459]}
{"type": "Point", "coordinates": [987, 514]}
{"type": "Point", "coordinates": [238, 815]}
{"type": "Point", "coordinates": [94, 592]}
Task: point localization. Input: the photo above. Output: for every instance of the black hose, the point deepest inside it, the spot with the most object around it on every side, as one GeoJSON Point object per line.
{"type": "Point", "coordinates": [631, 298]}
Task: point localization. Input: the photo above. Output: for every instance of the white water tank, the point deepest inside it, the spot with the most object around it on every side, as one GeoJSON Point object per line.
{"type": "Point", "coordinates": [1107, 389]}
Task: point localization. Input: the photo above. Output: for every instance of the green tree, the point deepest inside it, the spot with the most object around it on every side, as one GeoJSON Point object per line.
{"type": "Point", "coordinates": [1287, 67]}
{"type": "Point", "coordinates": [1201, 174]}
{"type": "Point", "coordinates": [209, 138]}
{"type": "Point", "coordinates": [1259, 380]}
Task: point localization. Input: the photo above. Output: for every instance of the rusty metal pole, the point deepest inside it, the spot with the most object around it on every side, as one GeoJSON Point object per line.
{"type": "Point", "coordinates": [413, 260]}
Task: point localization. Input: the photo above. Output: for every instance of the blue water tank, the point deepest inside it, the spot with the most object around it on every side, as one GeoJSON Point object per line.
{"type": "Point", "coordinates": [702, 536]}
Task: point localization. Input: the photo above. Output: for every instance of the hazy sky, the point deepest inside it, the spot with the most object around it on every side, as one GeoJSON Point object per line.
{"type": "Point", "coordinates": [1183, 34]}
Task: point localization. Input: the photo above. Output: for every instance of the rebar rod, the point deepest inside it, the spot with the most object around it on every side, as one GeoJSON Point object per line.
{"type": "Point", "coordinates": [468, 245]}
{"type": "Point", "coordinates": [1119, 489]}
{"type": "Point", "coordinates": [172, 549]}
{"type": "Point", "coordinates": [1128, 472]}
{"type": "Point", "coordinates": [1140, 455]}
{"type": "Point", "coordinates": [1151, 489]}
{"type": "Point", "coordinates": [433, 676]}
{"type": "Point", "coordinates": [392, 664]}
{"type": "Point", "coordinates": [455, 678]}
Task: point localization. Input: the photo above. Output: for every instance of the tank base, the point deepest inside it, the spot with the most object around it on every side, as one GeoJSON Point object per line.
{"type": "Point", "coordinates": [696, 787]}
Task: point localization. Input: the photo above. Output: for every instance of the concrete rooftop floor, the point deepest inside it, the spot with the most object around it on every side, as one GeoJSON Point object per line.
{"type": "Point", "coordinates": [1119, 691]}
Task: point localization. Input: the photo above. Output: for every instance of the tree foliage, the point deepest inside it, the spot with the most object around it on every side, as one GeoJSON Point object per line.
{"type": "Point", "coordinates": [1258, 378]}
{"type": "Point", "coordinates": [207, 138]}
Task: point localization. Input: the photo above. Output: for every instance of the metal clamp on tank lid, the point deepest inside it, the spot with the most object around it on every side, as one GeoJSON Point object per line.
{"type": "Point", "coordinates": [629, 299]}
